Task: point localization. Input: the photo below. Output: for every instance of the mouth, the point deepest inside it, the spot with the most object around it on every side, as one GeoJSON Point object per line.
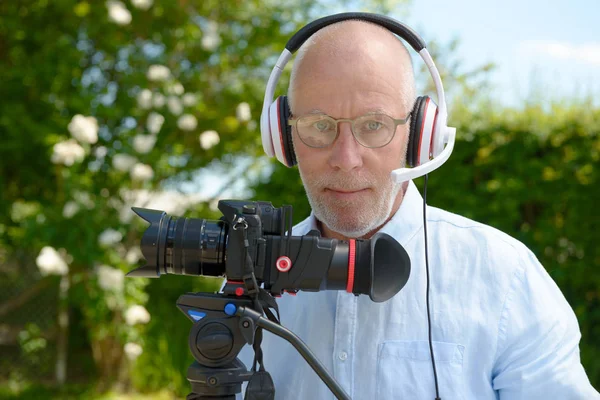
{"type": "Point", "coordinates": [344, 190]}
{"type": "Point", "coordinates": [345, 194]}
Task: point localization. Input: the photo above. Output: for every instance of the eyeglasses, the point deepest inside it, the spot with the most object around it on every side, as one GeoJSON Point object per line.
{"type": "Point", "coordinates": [371, 130]}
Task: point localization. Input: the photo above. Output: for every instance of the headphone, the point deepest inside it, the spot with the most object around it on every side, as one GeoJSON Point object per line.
{"type": "Point", "coordinates": [428, 133]}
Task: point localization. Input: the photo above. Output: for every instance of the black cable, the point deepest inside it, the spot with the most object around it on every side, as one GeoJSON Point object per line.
{"type": "Point", "coordinates": [437, 391]}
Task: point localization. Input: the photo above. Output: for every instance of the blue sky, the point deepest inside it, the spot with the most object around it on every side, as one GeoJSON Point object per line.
{"type": "Point", "coordinates": [550, 46]}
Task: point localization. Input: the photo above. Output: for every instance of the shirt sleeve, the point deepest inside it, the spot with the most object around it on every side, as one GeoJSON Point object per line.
{"type": "Point", "coordinates": [538, 341]}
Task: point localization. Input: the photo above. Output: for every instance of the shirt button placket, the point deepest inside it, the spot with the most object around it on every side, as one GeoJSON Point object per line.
{"type": "Point", "coordinates": [343, 355]}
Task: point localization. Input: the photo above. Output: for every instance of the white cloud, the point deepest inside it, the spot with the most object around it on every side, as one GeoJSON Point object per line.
{"type": "Point", "coordinates": [587, 53]}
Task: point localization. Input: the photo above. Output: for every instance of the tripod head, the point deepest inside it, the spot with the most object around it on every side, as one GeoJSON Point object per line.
{"type": "Point", "coordinates": [215, 340]}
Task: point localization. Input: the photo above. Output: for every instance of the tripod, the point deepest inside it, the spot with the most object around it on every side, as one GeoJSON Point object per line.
{"type": "Point", "coordinates": [222, 326]}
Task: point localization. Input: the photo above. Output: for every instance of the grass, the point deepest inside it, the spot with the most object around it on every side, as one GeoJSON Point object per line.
{"type": "Point", "coordinates": [35, 391]}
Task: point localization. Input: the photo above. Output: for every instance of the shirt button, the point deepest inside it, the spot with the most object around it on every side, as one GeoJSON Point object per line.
{"type": "Point", "coordinates": [343, 355]}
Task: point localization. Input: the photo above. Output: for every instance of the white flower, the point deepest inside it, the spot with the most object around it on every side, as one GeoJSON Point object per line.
{"type": "Point", "coordinates": [158, 100]}
{"type": "Point", "coordinates": [70, 209]}
{"type": "Point", "coordinates": [134, 255]}
{"type": "Point", "coordinates": [189, 99]}
{"type": "Point", "coordinates": [100, 152]}
{"type": "Point", "coordinates": [142, 4]}
{"type": "Point", "coordinates": [174, 105]}
{"type": "Point", "coordinates": [118, 13]}
{"type": "Point", "coordinates": [109, 237]}
{"type": "Point", "coordinates": [133, 350]}
{"type": "Point", "coordinates": [154, 122]}
{"type": "Point", "coordinates": [210, 41]}
{"type": "Point", "coordinates": [110, 279]}
{"type": "Point", "coordinates": [84, 199]}
{"type": "Point", "coordinates": [84, 129]}
{"type": "Point", "coordinates": [212, 26]}
{"type": "Point", "coordinates": [126, 215]}
{"type": "Point", "coordinates": [49, 261]}
{"type": "Point", "coordinates": [137, 315]}
{"type": "Point", "coordinates": [144, 99]}
{"type": "Point", "coordinates": [141, 172]}
{"type": "Point", "coordinates": [123, 162]}
{"type": "Point", "coordinates": [208, 139]}
{"type": "Point", "coordinates": [158, 73]}
{"type": "Point", "coordinates": [176, 88]}
{"type": "Point", "coordinates": [187, 122]}
{"type": "Point", "coordinates": [144, 143]}
{"type": "Point", "coordinates": [67, 152]}
{"type": "Point", "coordinates": [242, 112]}
{"type": "Point", "coordinates": [22, 209]}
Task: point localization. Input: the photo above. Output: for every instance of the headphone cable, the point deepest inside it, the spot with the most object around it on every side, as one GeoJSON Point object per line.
{"type": "Point", "coordinates": [437, 392]}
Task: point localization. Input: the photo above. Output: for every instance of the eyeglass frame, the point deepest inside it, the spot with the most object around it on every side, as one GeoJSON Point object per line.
{"type": "Point", "coordinates": [293, 122]}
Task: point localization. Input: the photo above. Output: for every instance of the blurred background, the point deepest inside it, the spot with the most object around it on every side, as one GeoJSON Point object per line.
{"type": "Point", "coordinates": [155, 103]}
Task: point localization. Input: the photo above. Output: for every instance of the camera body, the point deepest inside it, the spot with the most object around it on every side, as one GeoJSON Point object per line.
{"type": "Point", "coordinates": [252, 226]}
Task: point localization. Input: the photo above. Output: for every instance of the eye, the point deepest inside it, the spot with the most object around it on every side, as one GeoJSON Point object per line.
{"type": "Point", "coordinates": [323, 125]}
{"type": "Point", "coordinates": [373, 125]}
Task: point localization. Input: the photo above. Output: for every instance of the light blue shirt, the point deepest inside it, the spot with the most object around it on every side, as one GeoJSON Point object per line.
{"type": "Point", "coordinates": [501, 328]}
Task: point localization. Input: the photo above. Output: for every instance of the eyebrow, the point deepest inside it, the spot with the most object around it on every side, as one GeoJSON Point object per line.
{"type": "Point", "coordinates": [377, 110]}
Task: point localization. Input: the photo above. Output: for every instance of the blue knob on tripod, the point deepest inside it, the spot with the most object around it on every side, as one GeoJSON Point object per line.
{"type": "Point", "coordinates": [230, 309]}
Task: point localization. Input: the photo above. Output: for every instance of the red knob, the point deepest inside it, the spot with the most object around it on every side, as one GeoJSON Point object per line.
{"type": "Point", "coordinates": [283, 264]}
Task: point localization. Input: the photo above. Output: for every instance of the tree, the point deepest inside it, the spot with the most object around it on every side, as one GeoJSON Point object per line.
{"type": "Point", "coordinates": [109, 104]}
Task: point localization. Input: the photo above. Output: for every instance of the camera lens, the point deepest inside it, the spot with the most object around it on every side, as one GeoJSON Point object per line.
{"type": "Point", "coordinates": [182, 246]}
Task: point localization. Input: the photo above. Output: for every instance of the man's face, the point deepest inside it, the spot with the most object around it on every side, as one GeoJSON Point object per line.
{"type": "Point", "coordinates": [348, 185]}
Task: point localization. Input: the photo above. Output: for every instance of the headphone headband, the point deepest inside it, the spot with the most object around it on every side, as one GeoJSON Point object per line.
{"type": "Point", "coordinates": [390, 24]}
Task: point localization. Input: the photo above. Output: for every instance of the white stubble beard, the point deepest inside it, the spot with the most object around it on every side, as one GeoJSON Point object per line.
{"type": "Point", "coordinates": [348, 218]}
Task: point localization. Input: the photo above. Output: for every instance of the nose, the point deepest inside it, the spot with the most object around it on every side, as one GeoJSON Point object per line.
{"type": "Point", "coordinates": [346, 152]}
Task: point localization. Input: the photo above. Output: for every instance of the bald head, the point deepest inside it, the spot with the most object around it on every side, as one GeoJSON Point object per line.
{"type": "Point", "coordinates": [358, 48]}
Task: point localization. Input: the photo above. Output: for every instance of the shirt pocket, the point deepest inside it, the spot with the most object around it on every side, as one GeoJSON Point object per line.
{"type": "Point", "coordinates": [404, 370]}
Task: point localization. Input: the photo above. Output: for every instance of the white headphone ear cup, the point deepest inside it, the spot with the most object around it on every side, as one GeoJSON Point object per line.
{"type": "Point", "coordinates": [274, 127]}
{"type": "Point", "coordinates": [265, 133]}
{"type": "Point", "coordinates": [426, 144]}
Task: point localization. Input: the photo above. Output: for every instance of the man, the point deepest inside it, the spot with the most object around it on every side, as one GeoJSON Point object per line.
{"type": "Point", "coordinates": [500, 326]}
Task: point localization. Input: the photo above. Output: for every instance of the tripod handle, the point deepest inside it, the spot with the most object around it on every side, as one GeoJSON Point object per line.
{"type": "Point", "coordinates": [256, 319]}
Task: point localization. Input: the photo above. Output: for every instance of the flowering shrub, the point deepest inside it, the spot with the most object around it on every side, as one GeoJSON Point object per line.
{"type": "Point", "coordinates": [117, 104]}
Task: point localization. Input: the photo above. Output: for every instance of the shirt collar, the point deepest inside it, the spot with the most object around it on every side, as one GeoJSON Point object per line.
{"type": "Point", "coordinates": [402, 226]}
